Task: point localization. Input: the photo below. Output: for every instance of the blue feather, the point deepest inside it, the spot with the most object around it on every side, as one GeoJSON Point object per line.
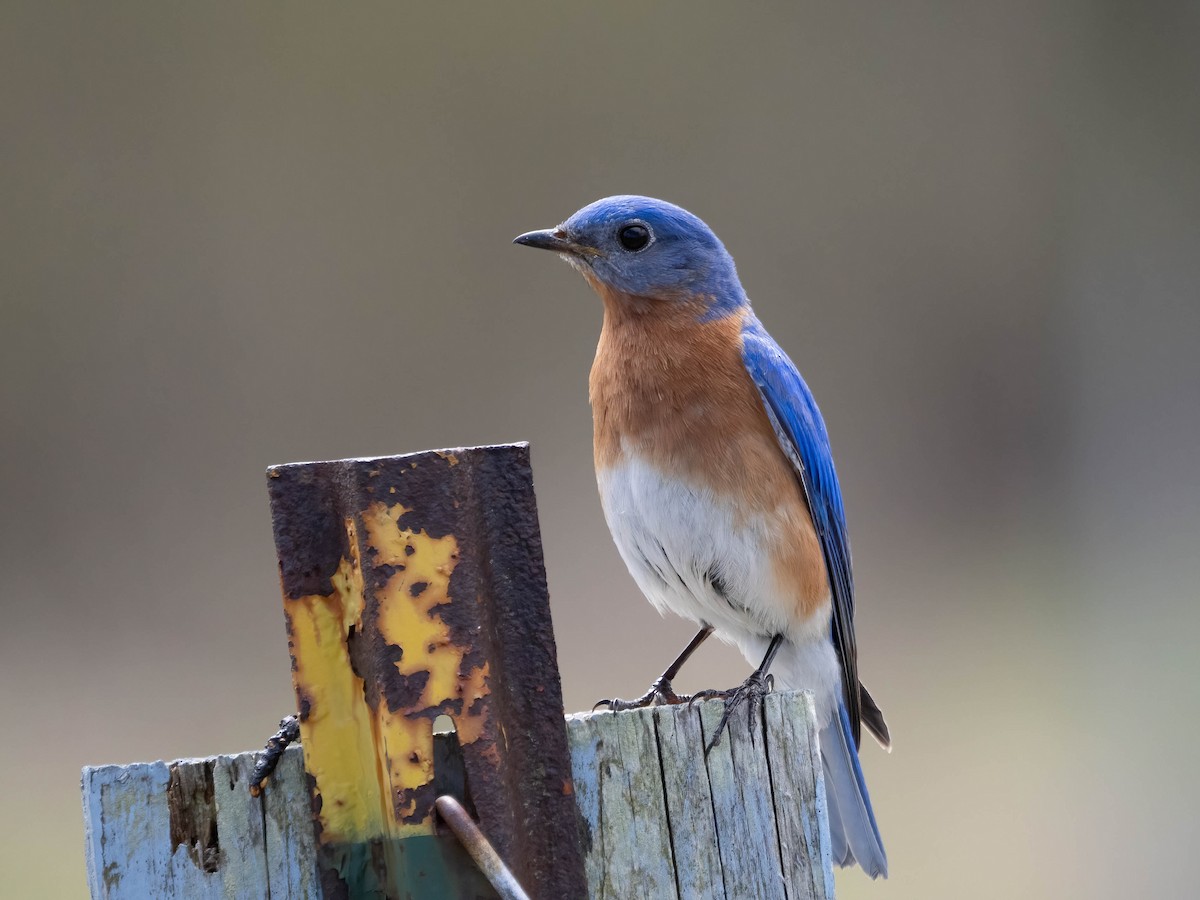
{"type": "Point", "coordinates": [802, 435]}
{"type": "Point", "coordinates": [854, 835]}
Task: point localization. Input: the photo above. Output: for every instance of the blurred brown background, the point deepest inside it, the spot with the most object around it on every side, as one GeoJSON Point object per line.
{"type": "Point", "coordinates": [234, 236]}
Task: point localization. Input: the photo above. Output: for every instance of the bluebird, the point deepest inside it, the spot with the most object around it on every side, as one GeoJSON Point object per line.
{"type": "Point", "coordinates": [717, 481]}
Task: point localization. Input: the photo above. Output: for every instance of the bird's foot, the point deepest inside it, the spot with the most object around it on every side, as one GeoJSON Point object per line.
{"type": "Point", "coordinates": [660, 694]}
{"type": "Point", "coordinates": [751, 692]}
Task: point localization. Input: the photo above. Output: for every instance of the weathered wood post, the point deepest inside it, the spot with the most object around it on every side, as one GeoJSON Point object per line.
{"type": "Point", "coordinates": [745, 822]}
{"type": "Point", "coordinates": [414, 588]}
{"type": "Point", "coordinates": [191, 829]}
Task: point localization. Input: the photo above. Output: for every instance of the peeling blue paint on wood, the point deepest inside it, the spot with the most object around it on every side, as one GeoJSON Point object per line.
{"type": "Point", "coordinates": [264, 846]}
{"type": "Point", "coordinates": [660, 819]}
{"type": "Point", "coordinates": [745, 822]}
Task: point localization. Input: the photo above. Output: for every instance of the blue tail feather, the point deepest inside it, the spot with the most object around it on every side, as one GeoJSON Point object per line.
{"type": "Point", "coordinates": [852, 828]}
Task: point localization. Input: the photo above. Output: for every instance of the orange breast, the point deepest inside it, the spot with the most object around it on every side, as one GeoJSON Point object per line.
{"type": "Point", "coordinates": [675, 394]}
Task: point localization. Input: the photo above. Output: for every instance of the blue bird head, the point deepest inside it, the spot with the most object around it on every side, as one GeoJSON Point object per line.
{"type": "Point", "coordinates": [643, 249]}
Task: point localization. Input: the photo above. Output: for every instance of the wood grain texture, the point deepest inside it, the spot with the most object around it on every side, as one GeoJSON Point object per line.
{"type": "Point", "coordinates": [798, 791]}
{"type": "Point", "coordinates": [259, 848]}
{"type": "Point", "coordinates": [745, 822]}
{"type": "Point", "coordinates": [627, 842]}
{"type": "Point", "coordinates": [741, 800]}
{"type": "Point", "coordinates": [660, 819]}
{"type": "Point", "coordinates": [688, 793]}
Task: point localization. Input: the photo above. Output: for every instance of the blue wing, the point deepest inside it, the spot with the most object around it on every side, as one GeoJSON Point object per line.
{"type": "Point", "coordinates": [801, 432]}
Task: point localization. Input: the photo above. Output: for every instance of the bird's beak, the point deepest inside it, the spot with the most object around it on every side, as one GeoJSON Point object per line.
{"type": "Point", "coordinates": [552, 239]}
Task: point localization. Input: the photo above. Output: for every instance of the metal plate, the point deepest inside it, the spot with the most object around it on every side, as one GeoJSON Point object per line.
{"type": "Point", "coordinates": [414, 587]}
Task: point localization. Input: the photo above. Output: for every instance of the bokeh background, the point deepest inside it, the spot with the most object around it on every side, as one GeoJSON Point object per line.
{"type": "Point", "coordinates": [235, 235]}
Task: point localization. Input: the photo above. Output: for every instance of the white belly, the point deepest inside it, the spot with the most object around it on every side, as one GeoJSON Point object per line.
{"type": "Point", "coordinates": [699, 556]}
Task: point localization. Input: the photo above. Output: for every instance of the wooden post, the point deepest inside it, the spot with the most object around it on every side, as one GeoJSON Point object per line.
{"type": "Point", "coordinates": [414, 589]}
{"type": "Point", "coordinates": [659, 819]}
{"type": "Point", "coordinates": [191, 829]}
{"type": "Point", "coordinates": [747, 822]}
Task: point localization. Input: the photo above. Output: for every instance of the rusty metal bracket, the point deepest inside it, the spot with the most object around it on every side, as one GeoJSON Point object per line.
{"type": "Point", "coordinates": [481, 850]}
{"type": "Point", "coordinates": [414, 587]}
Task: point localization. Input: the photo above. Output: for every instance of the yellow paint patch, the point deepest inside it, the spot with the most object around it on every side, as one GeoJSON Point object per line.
{"type": "Point", "coordinates": [349, 746]}
{"type": "Point", "coordinates": [337, 730]}
{"type": "Point", "coordinates": [384, 535]}
{"type": "Point", "coordinates": [409, 618]}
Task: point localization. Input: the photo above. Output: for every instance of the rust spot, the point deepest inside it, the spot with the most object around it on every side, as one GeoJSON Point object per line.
{"type": "Point", "coordinates": [305, 699]}
{"type": "Point", "coordinates": [491, 754]}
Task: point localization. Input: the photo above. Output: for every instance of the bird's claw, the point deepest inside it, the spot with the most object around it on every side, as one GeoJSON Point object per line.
{"type": "Point", "coordinates": [661, 693]}
{"type": "Point", "coordinates": [751, 691]}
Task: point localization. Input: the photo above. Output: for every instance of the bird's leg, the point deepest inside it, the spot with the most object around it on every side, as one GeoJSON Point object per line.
{"type": "Point", "coordinates": [661, 693]}
{"type": "Point", "coordinates": [751, 691]}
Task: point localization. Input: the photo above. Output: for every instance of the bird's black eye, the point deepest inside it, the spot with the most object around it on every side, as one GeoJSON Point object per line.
{"type": "Point", "coordinates": [634, 237]}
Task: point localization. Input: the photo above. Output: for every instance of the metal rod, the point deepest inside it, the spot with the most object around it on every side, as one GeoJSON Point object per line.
{"type": "Point", "coordinates": [476, 844]}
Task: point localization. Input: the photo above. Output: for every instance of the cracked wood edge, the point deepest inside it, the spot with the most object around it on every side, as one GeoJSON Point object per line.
{"type": "Point", "coordinates": [662, 820]}
{"type": "Point", "coordinates": [659, 819]}
{"type": "Point", "coordinates": [261, 848]}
